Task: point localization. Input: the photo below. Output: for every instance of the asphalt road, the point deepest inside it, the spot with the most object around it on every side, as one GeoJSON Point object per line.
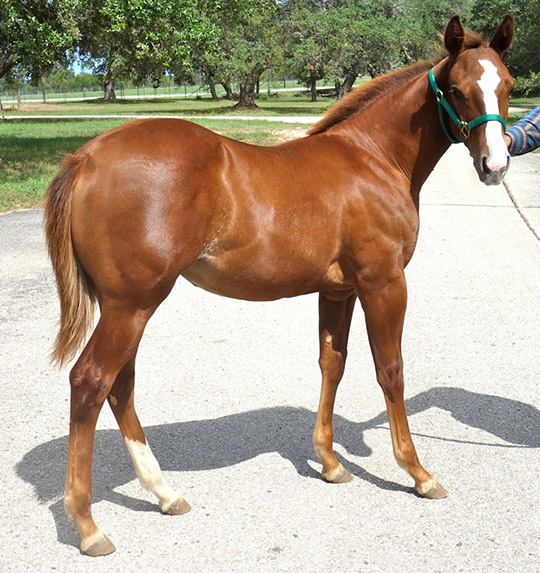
{"type": "Point", "coordinates": [228, 392]}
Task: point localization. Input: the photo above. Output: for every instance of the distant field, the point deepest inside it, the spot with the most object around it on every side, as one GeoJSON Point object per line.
{"type": "Point", "coordinates": [31, 150]}
{"type": "Point", "coordinates": [151, 93]}
{"type": "Point", "coordinates": [279, 104]}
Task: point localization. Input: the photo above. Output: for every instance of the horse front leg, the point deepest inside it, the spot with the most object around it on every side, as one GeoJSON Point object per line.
{"type": "Point", "coordinates": [384, 305]}
{"type": "Point", "coordinates": [121, 401]}
{"type": "Point", "coordinates": [334, 324]}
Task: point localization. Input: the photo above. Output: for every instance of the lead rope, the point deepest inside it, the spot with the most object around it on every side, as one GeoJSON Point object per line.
{"type": "Point", "coordinates": [520, 210]}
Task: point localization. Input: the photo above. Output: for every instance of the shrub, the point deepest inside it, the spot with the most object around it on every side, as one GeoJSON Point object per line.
{"type": "Point", "coordinates": [526, 86]}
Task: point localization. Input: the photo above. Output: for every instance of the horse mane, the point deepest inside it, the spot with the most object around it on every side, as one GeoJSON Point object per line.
{"type": "Point", "coordinates": [363, 96]}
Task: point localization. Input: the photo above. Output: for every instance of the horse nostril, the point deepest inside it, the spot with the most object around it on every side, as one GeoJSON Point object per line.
{"type": "Point", "coordinates": [488, 171]}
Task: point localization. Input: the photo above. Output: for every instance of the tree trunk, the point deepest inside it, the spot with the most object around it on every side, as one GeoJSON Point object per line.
{"type": "Point", "coordinates": [343, 89]}
{"type": "Point", "coordinates": [228, 90]}
{"type": "Point", "coordinates": [6, 63]}
{"type": "Point", "coordinates": [313, 88]}
{"type": "Point", "coordinates": [108, 88]}
{"type": "Point", "coordinates": [213, 91]}
{"type": "Point", "coordinates": [247, 95]}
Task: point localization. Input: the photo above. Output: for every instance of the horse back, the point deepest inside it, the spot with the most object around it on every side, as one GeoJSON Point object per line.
{"type": "Point", "coordinates": [159, 198]}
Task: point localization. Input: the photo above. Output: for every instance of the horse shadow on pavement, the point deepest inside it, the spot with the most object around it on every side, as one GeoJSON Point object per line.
{"type": "Point", "coordinates": [222, 442]}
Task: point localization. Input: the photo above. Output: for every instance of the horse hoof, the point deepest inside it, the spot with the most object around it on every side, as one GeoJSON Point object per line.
{"type": "Point", "coordinates": [97, 547]}
{"type": "Point", "coordinates": [177, 507]}
{"type": "Point", "coordinates": [338, 475]}
{"type": "Point", "coordinates": [432, 491]}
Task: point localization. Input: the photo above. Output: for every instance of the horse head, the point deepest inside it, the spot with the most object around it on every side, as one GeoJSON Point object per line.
{"type": "Point", "coordinates": [476, 88]}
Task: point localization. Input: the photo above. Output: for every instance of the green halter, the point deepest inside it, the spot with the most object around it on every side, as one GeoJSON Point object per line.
{"type": "Point", "coordinates": [463, 126]}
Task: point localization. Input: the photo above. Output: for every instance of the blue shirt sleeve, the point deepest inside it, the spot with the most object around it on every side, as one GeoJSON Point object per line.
{"type": "Point", "coordinates": [525, 133]}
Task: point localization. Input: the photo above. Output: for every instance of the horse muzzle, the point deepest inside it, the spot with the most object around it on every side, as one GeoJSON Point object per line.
{"type": "Point", "coordinates": [491, 175]}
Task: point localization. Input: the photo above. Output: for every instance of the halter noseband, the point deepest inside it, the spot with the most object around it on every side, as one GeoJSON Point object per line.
{"type": "Point", "coordinates": [463, 126]}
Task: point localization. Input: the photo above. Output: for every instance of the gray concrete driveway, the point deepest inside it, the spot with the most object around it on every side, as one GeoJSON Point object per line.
{"type": "Point", "coordinates": [228, 392]}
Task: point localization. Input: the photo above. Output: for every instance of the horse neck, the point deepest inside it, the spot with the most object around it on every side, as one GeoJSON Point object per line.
{"type": "Point", "coordinates": [403, 127]}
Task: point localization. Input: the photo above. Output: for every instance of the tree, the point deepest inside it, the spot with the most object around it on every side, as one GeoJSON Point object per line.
{"type": "Point", "coordinates": [249, 44]}
{"type": "Point", "coordinates": [35, 35]}
{"type": "Point", "coordinates": [140, 38]}
{"type": "Point", "coordinates": [339, 39]}
{"type": "Point", "coordinates": [418, 23]}
{"type": "Point", "coordinates": [307, 26]}
{"type": "Point", "coordinates": [212, 63]}
{"type": "Point", "coordinates": [523, 59]}
{"type": "Point", "coordinates": [361, 39]}
{"type": "Point", "coordinates": [486, 15]}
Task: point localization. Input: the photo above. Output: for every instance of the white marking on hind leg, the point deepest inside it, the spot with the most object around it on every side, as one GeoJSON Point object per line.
{"type": "Point", "coordinates": [150, 476]}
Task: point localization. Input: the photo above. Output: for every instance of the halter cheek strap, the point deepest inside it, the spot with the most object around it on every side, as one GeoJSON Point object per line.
{"type": "Point", "coordinates": [463, 126]}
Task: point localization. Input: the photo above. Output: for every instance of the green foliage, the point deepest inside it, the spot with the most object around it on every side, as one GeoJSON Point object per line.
{"type": "Point", "coordinates": [237, 40]}
{"type": "Point", "coordinates": [343, 38]}
{"type": "Point", "coordinates": [526, 86]}
{"type": "Point", "coordinates": [142, 38]}
{"type": "Point", "coordinates": [248, 44]}
{"type": "Point", "coordinates": [420, 22]}
{"type": "Point", "coordinates": [33, 36]}
{"type": "Point", "coordinates": [524, 56]}
{"type": "Point", "coordinates": [307, 28]}
{"type": "Point", "coordinates": [488, 14]}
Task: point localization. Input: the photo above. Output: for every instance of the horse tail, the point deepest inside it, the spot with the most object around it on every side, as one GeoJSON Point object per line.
{"type": "Point", "coordinates": [75, 289]}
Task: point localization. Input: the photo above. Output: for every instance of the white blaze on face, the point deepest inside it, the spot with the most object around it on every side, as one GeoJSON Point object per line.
{"type": "Point", "coordinates": [498, 153]}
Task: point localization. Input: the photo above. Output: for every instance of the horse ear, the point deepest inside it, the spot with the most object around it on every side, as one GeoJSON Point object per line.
{"type": "Point", "coordinates": [502, 39]}
{"type": "Point", "coordinates": [454, 36]}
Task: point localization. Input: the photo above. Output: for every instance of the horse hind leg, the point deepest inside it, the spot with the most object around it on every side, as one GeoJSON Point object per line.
{"type": "Point", "coordinates": [121, 401]}
{"type": "Point", "coordinates": [112, 345]}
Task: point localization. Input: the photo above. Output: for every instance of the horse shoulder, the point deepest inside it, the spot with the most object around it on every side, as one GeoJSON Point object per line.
{"type": "Point", "coordinates": [382, 227]}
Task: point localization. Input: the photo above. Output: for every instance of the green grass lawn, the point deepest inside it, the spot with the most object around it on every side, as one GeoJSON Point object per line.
{"type": "Point", "coordinates": [526, 101]}
{"type": "Point", "coordinates": [31, 150]}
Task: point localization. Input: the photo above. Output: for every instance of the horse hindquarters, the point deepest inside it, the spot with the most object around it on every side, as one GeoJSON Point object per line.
{"type": "Point", "coordinates": [107, 361]}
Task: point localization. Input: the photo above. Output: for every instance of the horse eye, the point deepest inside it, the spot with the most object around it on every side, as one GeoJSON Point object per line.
{"type": "Point", "coordinates": [456, 93]}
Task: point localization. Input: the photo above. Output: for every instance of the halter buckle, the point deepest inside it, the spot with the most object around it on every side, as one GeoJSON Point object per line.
{"type": "Point", "coordinates": [464, 131]}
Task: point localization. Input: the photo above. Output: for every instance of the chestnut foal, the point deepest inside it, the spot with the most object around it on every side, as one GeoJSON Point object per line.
{"type": "Point", "coordinates": [335, 212]}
